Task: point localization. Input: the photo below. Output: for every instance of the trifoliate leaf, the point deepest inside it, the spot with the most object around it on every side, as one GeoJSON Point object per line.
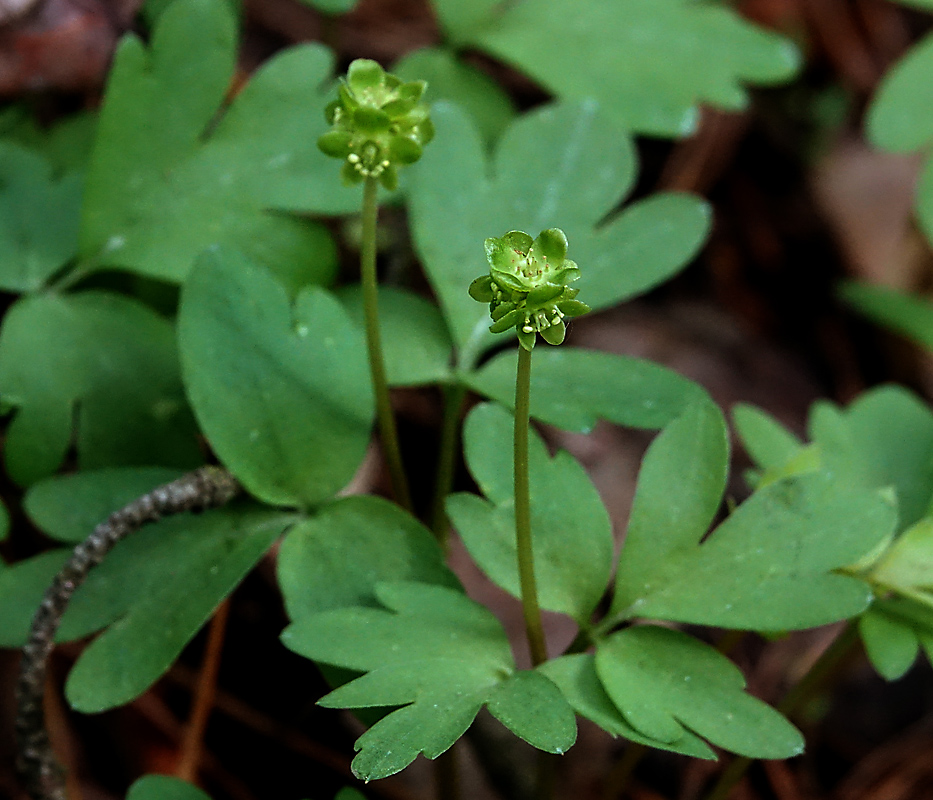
{"type": "Point", "coordinates": [38, 219]}
{"type": "Point", "coordinates": [570, 528]}
{"type": "Point", "coordinates": [69, 507]}
{"type": "Point", "coordinates": [890, 644]}
{"type": "Point", "coordinates": [903, 313]}
{"type": "Point", "coordinates": [168, 177]}
{"type": "Point", "coordinates": [438, 654]}
{"type": "Point", "coordinates": [282, 391]}
{"type": "Point", "coordinates": [665, 683]}
{"type": "Point", "coordinates": [415, 343]}
{"type": "Point", "coordinates": [565, 166]}
{"type": "Point", "coordinates": [576, 677]}
{"type": "Point", "coordinates": [573, 388]}
{"type": "Point", "coordinates": [649, 62]}
{"type": "Point", "coordinates": [769, 566]}
{"type": "Point", "coordinates": [164, 787]}
{"type": "Point", "coordinates": [450, 78]}
{"type": "Point", "coordinates": [98, 369]}
{"type": "Point", "coordinates": [213, 553]}
{"type": "Point", "coordinates": [336, 557]}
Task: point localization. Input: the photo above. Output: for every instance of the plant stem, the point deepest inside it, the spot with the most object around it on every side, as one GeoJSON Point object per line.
{"type": "Point", "coordinates": [526, 565]}
{"type": "Point", "coordinates": [447, 459]}
{"type": "Point", "coordinates": [377, 370]}
{"type": "Point", "coordinates": [831, 659]}
{"type": "Point", "coordinates": [193, 742]}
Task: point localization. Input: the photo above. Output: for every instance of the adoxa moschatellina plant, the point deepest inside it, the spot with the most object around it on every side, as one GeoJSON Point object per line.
{"type": "Point", "coordinates": [527, 289]}
{"type": "Point", "coordinates": [379, 124]}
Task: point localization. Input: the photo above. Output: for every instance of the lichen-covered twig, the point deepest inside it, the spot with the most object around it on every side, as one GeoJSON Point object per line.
{"type": "Point", "coordinates": [208, 487]}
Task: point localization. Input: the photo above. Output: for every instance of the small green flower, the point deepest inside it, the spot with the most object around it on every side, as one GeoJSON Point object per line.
{"type": "Point", "coordinates": [527, 286]}
{"type": "Point", "coordinates": [378, 123]}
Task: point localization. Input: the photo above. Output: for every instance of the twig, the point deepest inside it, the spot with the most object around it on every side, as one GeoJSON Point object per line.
{"type": "Point", "coordinates": [204, 488]}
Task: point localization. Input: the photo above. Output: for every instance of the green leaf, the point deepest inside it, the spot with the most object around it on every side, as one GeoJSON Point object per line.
{"type": "Point", "coordinates": [903, 313]}
{"type": "Point", "coordinates": [573, 388]}
{"type": "Point", "coordinates": [163, 787]}
{"type": "Point", "coordinates": [649, 62]}
{"type": "Point", "coordinates": [4, 523]}
{"type": "Point", "coordinates": [415, 342]}
{"type": "Point", "coordinates": [452, 79]}
{"type": "Point", "coordinates": [282, 391]}
{"type": "Point", "coordinates": [349, 794]}
{"type": "Point", "coordinates": [907, 566]}
{"type": "Point", "coordinates": [665, 682]}
{"type": "Point", "coordinates": [771, 564]}
{"type": "Point", "coordinates": [123, 662]}
{"type": "Point", "coordinates": [435, 652]}
{"type": "Point", "coordinates": [564, 166]}
{"type": "Point", "coordinates": [335, 558]}
{"type": "Point", "coordinates": [69, 507]}
{"type": "Point", "coordinates": [533, 708]}
{"type": "Point", "coordinates": [769, 443]}
{"type": "Point", "coordinates": [571, 530]}
{"type": "Point", "coordinates": [890, 643]}
{"type": "Point", "coordinates": [38, 219]}
{"type": "Point", "coordinates": [22, 587]}
{"type": "Point", "coordinates": [171, 174]}
{"type": "Point", "coordinates": [332, 6]}
{"type": "Point", "coordinates": [680, 487]}
{"type": "Point", "coordinates": [883, 439]}
{"type": "Point", "coordinates": [103, 364]}
{"type": "Point", "coordinates": [576, 677]}
{"type": "Point", "coordinates": [66, 145]}
{"type": "Point", "coordinates": [899, 118]}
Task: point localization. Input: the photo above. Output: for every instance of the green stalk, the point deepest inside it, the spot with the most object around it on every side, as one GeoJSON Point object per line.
{"type": "Point", "coordinates": [447, 459]}
{"type": "Point", "coordinates": [823, 668]}
{"type": "Point", "coordinates": [384, 414]}
{"type": "Point", "coordinates": [526, 565]}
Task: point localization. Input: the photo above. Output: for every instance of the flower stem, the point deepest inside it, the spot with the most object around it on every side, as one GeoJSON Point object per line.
{"type": "Point", "coordinates": [526, 566]}
{"type": "Point", "coordinates": [447, 459]}
{"type": "Point", "coordinates": [384, 415]}
{"type": "Point", "coordinates": [823, 668]}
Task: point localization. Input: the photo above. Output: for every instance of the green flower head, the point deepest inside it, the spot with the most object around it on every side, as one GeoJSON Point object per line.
{"type": "Point", "coordinates": [527, 286]}
{"type": "Point", "coordinates": [378, 123]}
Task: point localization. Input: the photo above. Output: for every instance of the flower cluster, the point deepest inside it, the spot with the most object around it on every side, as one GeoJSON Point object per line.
{"type": "Point", "coordinates": [378, 123]}
{"type": "Point", "coordinates": [527, 286]}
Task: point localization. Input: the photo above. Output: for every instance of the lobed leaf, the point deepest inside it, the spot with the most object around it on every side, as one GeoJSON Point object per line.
{"type": "Point", "coordinates": [175, 171]}
{"type": "Point", "coordinates": [335, 558]}
{"type": "Point", "coordinates": [68, 507]}
{"type": "Point", "coordinates": [572, 388]}
{"type": "Point", "coordinates": [96, 368]}
{"type": "Point", "coordinates": [415, 343]}
{"type": "Point", "coordinates": [576, 677]}
{"type": "Point", "coordinates": [769, 443]}
{"type": "Point", "coordinates": [566, 166]}
{"type": "Point", "coordinates": [66, 145]}
{"type": "Point", "coordinates": [38, 219]}
{"type": "Point", "coordinates": [215, 551]}
{"type": "Point", "coordinates": [650, 62]}
{"type": "Point", "coordinates": [22, 586]}
{"type": "Point", "coordinates": [769, 566]}
{"type": "Point", "coordinates": [440, 656]}
{"type": "Point", "coordinates": [890, 643]}
{"type": "Point", "coordinates": [665, 683]}
{"type": "Point", "coordinates": [282, 391]}
{"type": "Point", "coordinates": [571, 531]}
